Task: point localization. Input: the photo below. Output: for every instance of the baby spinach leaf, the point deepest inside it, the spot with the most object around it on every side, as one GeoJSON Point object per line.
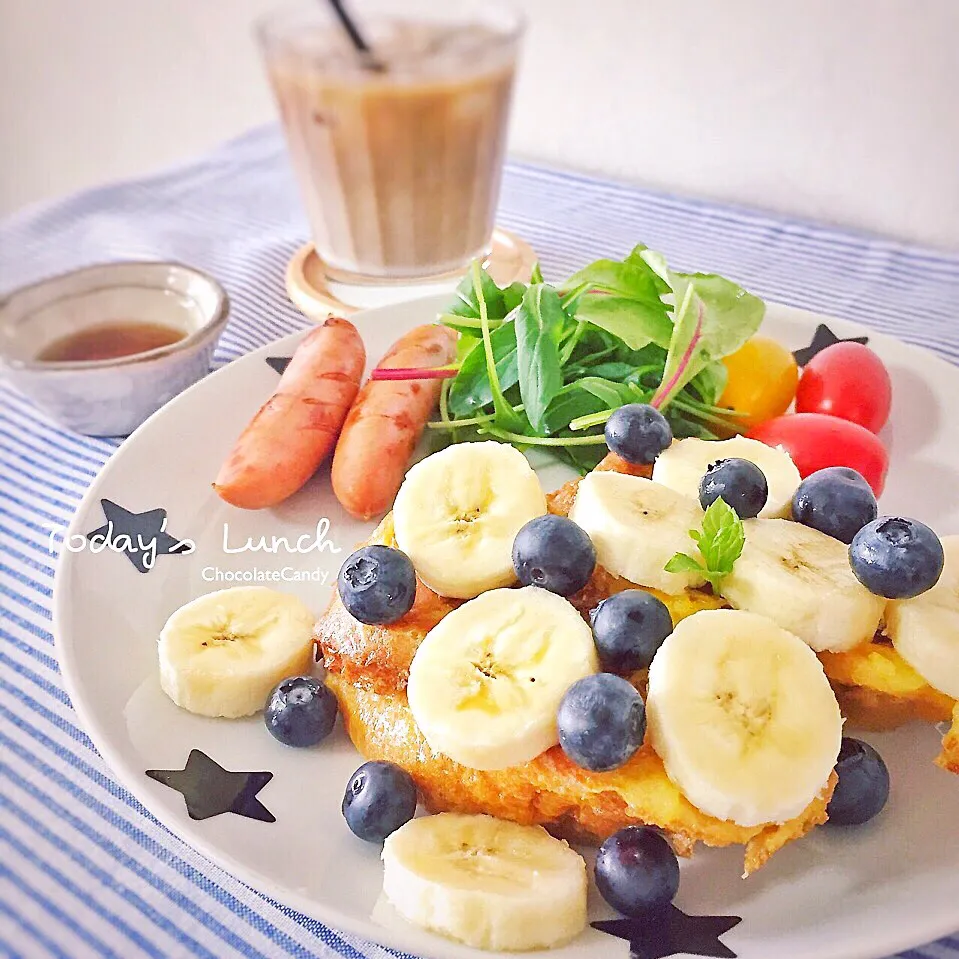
{"type": "Point", "coordinates": [608, 371]}
{"type": "Point", "coordinates": [464, 345]}
{"type": "Point", "coordinates": [625, 299]}
{"type": "Point", "coordinates": [513, 296]}
{"type": "Point", "coordinates": [611, 394]}
{"type": "Point", "coordinates": [539, 322]}
{"type": "Point", "coordinates": [635, 322]}
{"type": "Point", "coordinates": [470, 391]}
{"type": "Point", "coordinates": [583, 459]}
{"type": "Point", "coordinates": [632, 277]}
{"type": "Point", "coordinates": [569, 403]}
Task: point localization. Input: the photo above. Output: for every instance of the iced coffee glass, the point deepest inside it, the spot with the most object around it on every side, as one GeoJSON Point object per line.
{"type": "Point", "coordinates": [398, 154]}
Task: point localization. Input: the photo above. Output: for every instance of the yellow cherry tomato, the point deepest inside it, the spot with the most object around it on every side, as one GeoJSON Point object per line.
{"type": "Point", "coordinates": [763, 376]}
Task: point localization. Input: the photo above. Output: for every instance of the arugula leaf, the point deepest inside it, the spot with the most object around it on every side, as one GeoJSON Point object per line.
{"type": "Point", "coordinates": [712, 317]}
{"type": "Point", "coordinates": [720, 543]}
{"type": "Point", "coordinates": [536, 274]}
{"type": "Point", "coordinates": [539, 322]}
{"type": "Point", "coordinates": [471, 390]}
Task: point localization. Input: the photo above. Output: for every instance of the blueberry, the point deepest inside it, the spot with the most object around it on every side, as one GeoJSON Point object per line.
{"type": "Point", "coordinates": [377, 584]}
{"type": "Point", "coordinates": [863, 786]}
{"type": "Point", "coordinates": [896, 558]}
{"type": "Point", "coordinates": [638, 433]}
{"type": "Point", "coordinates": [553, 552]}
{"type": "Point", "coordinates": [637, 872]}
{"type": "Point", "coordinates": [380, 797]}
{"type": "Point", "coordinates": [740, 483]}
{"type": "Point", "coordinates": [837, 501]}
{"type": "Point", "coordinates": [300, 711]}
{"type": "Point", "coordinates": [629, 628]}
{"type": "Point", "coordinates": [602, 721]}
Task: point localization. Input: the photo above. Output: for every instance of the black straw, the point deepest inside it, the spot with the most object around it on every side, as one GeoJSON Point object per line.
{"type": "Point", "coordinates": [356, 38]}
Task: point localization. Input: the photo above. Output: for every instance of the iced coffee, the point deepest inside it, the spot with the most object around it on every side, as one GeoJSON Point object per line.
{"type": "Point", "coordinates": [398, 153]}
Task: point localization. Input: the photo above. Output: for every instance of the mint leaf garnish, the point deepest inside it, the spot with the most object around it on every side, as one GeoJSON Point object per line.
{"type": "Point", "coordinates": [720, 543]}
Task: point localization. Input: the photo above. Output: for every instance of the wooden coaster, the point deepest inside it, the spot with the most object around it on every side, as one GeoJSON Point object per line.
{"type": "Point", "coordinates": [307, 285]}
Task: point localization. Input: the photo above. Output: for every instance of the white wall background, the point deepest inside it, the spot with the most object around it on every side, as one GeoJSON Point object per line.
{"type": "Point", "coordinates": [838, 110]}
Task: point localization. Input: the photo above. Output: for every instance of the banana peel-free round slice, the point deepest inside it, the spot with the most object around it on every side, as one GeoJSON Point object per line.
{"type": "Point", "coordinates": [486, 683]}
{"type": "Point", "coordinates": [458, 511]}
{"type": "Point", "coordinates": [743, 717]}
{"type": "Point", "coordinates": [221, 654]}
{"type": "Point", "coordinates": [489, 883]}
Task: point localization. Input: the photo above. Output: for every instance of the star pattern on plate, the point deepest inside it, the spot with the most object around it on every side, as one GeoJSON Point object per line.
{"type": "Point", "coordinates": [822, 338]}
{"type": "Point", "coordinates": [278, 363]}
{"type": "Point", "coordinates": [210, 790]}
{"type": "Point", "coordinates": [141, 537]}
{"type": "Point", "coordinates": [672, 933]}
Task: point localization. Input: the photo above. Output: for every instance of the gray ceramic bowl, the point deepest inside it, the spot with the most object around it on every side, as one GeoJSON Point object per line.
{"type": "Point", "coordinates": [111, 397]}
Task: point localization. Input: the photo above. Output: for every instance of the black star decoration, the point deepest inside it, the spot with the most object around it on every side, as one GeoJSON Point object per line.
{"type": "Point", "coordinates": [140, 536]}
{"type": "Point", "coordinates": [673, 933]}
{"type": "Point", "coordinates": [209, 789]}
{"type": "Point", "coordinates": [822, 338]}
{"type": "Point", "coordinates": [278, 363]}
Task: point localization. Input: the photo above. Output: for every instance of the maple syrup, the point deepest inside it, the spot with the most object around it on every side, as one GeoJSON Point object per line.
{"type": "Point", "coordinates": [109, 341]}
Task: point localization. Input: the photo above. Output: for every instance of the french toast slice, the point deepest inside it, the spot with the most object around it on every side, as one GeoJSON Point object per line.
{"type": "Point", "coordinates": [368, 667]}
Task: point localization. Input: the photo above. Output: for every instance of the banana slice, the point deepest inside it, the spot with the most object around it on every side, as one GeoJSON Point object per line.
{"type": "Point", "coordinates": [743, 717]}
{"type": "Point", "coordinates": [801, 579]}
{"type": "Point", "coordinates": [637, 526]}
{"type": "Point", "coordinates": [925, 630]}
{"type": "Point", "coordinates": [221, 654]}
{"type": "Point", "coordinates": [683, 465]}
{"type": "Point", "coordinates": [458, 511]}
{"type": "Point", "coordinates": [486, 682]}
{"type": "Point", "coordinates": [488, 883]}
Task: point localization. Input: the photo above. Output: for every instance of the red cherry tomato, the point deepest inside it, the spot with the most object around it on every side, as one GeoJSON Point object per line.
{"type": "Point", "coordinates": [815, 441]}
{"type": "Point", "coordinates": [846, 380]}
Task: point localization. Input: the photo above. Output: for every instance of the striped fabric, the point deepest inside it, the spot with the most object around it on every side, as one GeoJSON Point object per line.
{"type": "Point", "coordinates": [84, 870]}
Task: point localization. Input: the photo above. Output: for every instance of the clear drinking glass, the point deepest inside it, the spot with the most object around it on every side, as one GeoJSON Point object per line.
{"type": "Point", "coordinates": [398, 156]}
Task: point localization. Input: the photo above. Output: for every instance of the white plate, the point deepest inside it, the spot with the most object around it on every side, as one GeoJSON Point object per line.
{"type": "Point", "coordinates": [834, 895]}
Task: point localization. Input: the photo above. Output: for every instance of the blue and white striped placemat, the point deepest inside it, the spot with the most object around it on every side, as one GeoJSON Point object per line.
{"type": "Point", "coordinates": [84, 869]}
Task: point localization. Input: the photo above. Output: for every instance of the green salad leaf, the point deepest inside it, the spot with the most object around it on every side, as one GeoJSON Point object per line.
{"type": "Point", "coordinates": [505, 417]}
{"type": "Point", "coordinates": [471, 390]}
{"type": "Point", "coordinates": [546, 365]}
{"type": "Point", "coordinates": [463, 314]}
{"type": "Point", "coordinates": [712, 317]}
{"type": "Point", "coordinates": [625, 299]}
{"type": "Point", "coordinates": [539, 321]}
